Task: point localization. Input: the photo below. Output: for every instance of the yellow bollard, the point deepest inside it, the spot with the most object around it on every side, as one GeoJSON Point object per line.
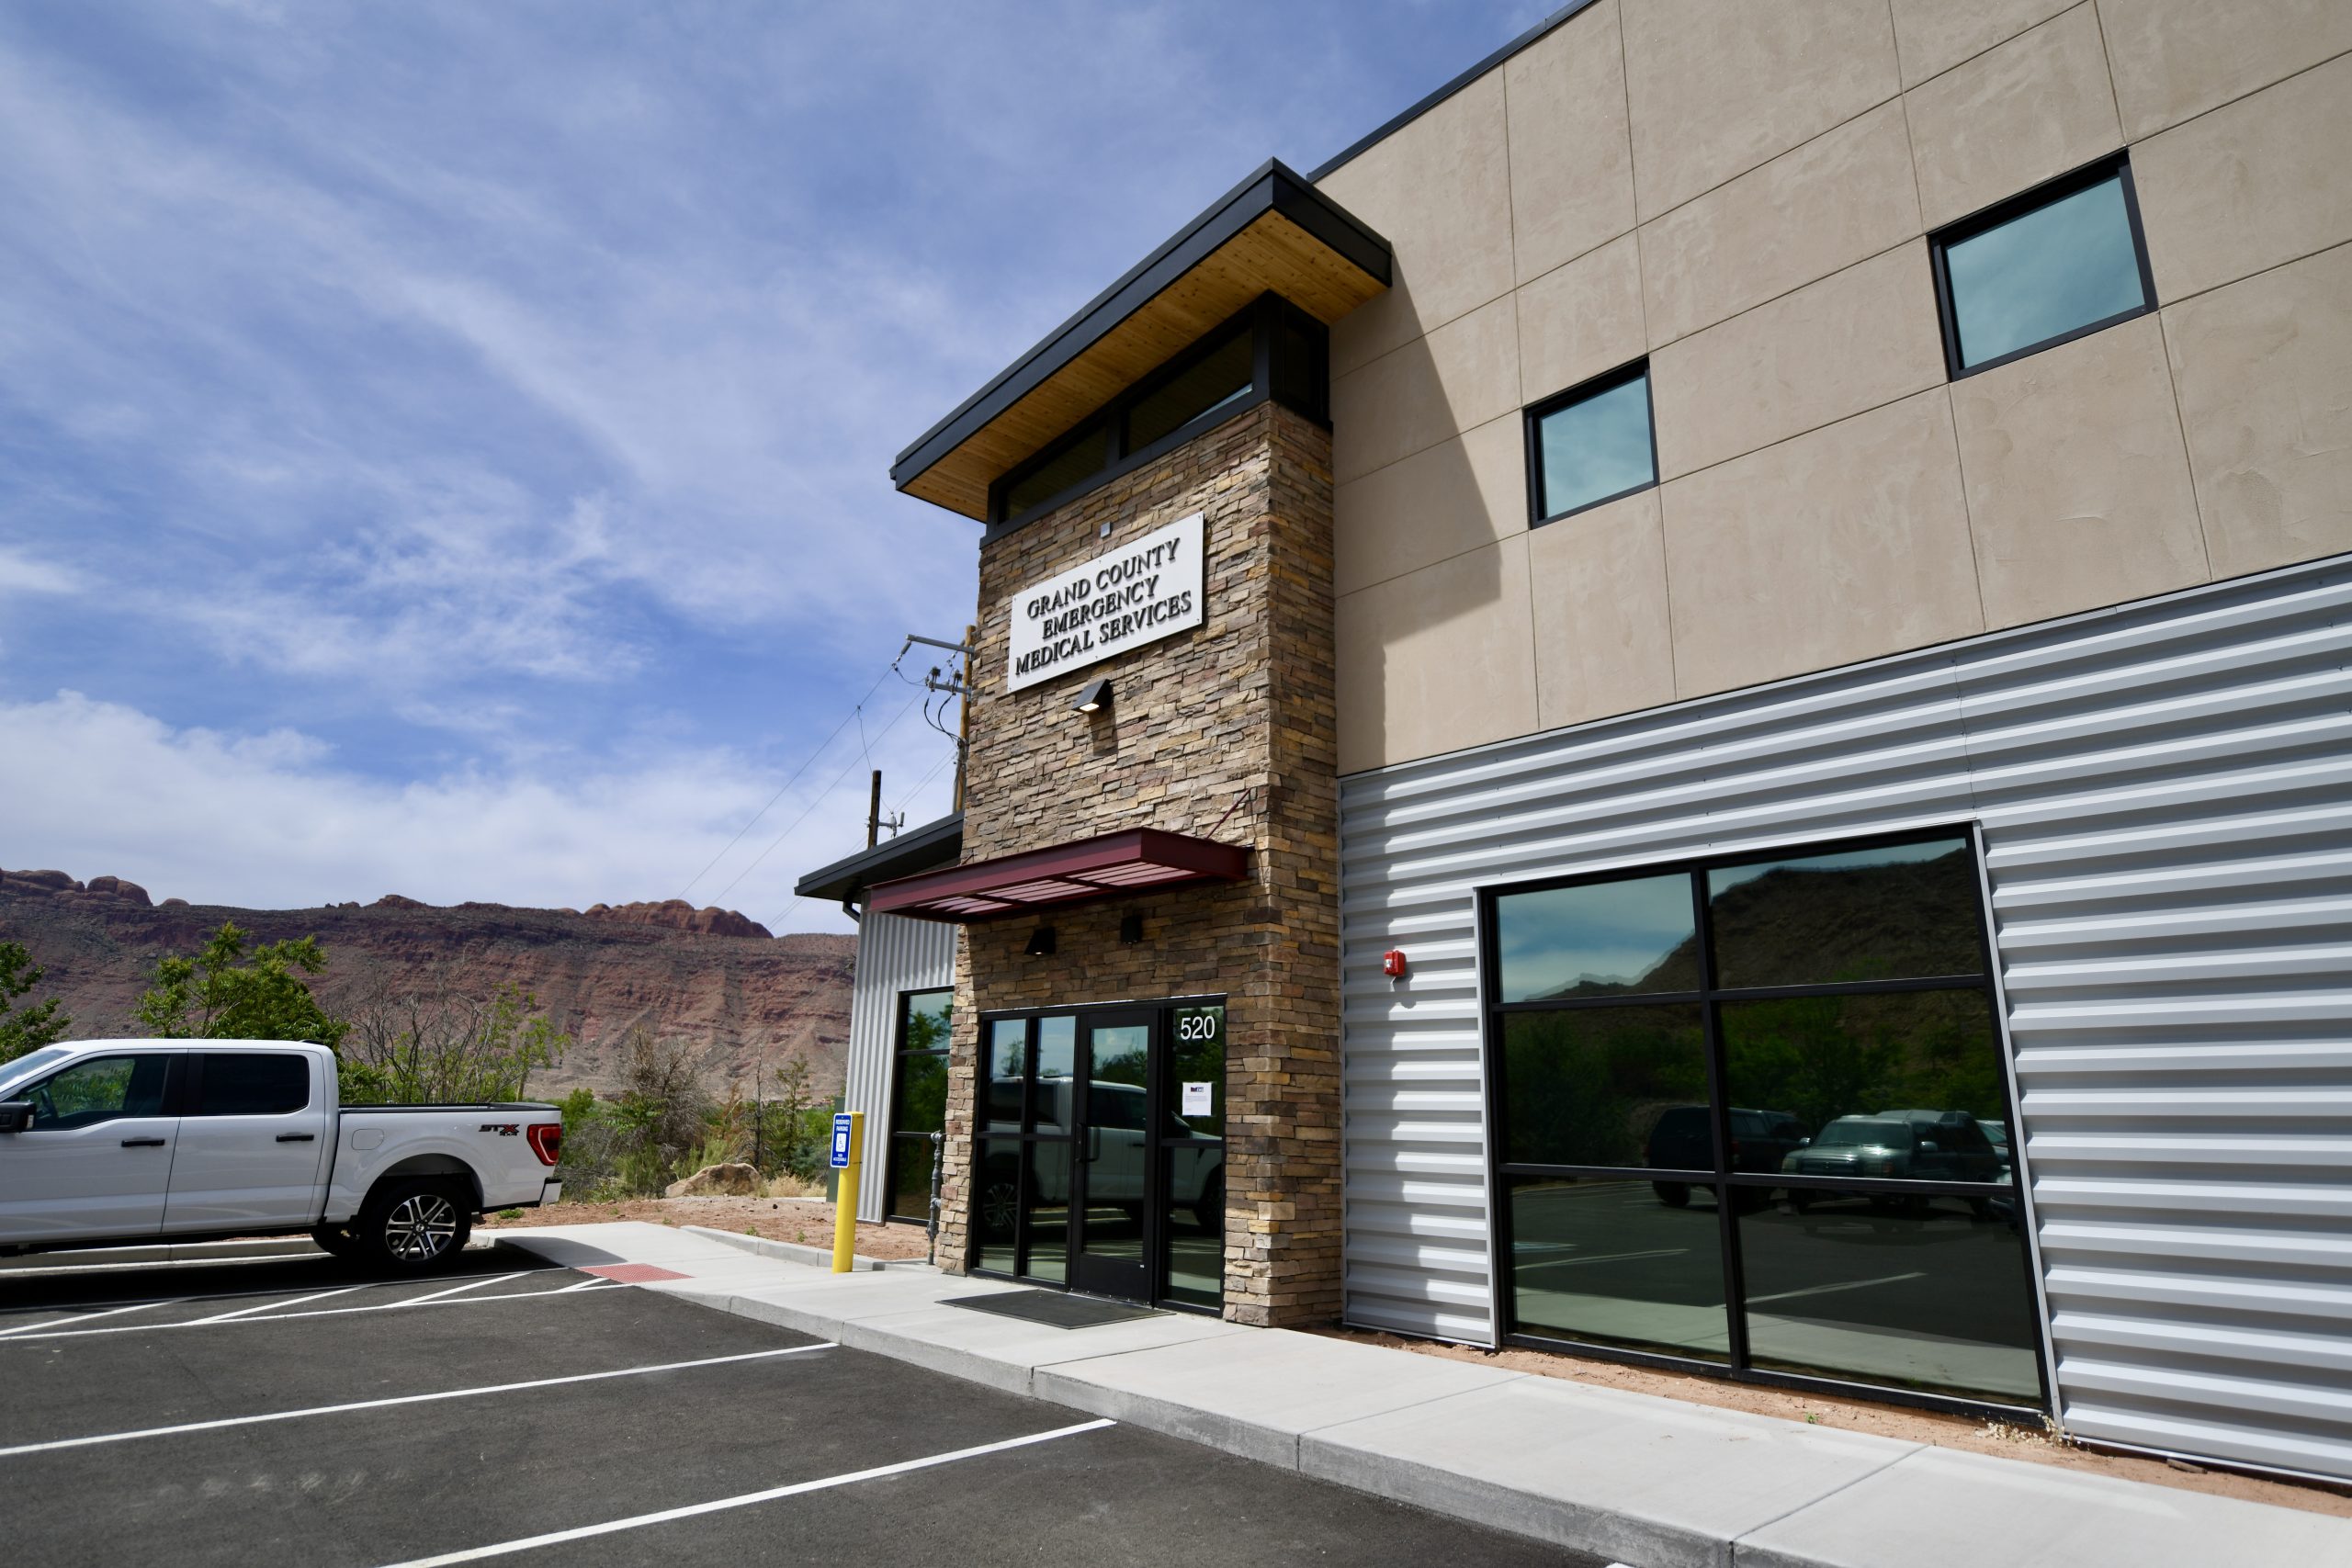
{"type": "Point", "coordinates": [846, 1197]}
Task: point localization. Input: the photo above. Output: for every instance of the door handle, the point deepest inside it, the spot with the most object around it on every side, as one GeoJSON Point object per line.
{"type": "Point", "coordinates": [142, 1142]}
{"type": "Point", "coordinates": [298, 1137]}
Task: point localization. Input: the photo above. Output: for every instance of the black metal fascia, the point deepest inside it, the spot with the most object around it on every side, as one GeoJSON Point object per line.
{"type": "Point", "coordinates": [1453, 86]}
{"type": "Point", "coordinates": [1274, 188]}
{"type": "Point", "coordinates": [919, 849]}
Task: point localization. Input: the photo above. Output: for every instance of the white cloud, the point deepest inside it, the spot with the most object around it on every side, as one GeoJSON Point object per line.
{"type": "Point", "coordinates": [267, 821]}
{"type": "Point", "coordinates": [512, 399]}
{"type": "Point", "coordinates": [22, 573]}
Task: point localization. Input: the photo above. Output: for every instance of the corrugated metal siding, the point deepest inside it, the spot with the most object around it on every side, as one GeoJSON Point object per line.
{"type": "Point", "coordinates": [893, 954]}
{"type": "Point", "coordinates": [2163, 794]}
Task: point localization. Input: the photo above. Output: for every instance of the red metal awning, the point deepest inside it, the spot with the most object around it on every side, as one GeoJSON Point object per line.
{"type": "Point", "coordinates": [1075, 873]}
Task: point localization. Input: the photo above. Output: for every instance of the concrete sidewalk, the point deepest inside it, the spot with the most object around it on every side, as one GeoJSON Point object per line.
{"type": "Point", "coordinates": [1650, 1482]}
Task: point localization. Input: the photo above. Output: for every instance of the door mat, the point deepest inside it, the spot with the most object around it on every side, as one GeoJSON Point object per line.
{"type": "Point", "coordinates": [1056, 1309]}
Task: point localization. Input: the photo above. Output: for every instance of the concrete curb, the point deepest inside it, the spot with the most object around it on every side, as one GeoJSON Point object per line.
{"type": "Point", "coordinates": [1634, 1478]}
{"type": "Point", "coordinates": [794, 1252]}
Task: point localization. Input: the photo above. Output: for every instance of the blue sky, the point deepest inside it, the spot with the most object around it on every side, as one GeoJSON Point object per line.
{"type": "Point", "coordinates": [444, 448]}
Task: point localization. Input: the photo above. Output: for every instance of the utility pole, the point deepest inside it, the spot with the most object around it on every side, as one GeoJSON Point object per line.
{"type": "Point", "coordinates": [963, 716]}
{"type": "Point", "coordinates": [874, 812]}
{"type": "Point", "coordinates": [957, 686]}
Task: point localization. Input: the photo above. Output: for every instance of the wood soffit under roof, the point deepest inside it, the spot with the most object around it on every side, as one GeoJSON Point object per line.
{"type": "Point", "coordinates": [1273, 233]}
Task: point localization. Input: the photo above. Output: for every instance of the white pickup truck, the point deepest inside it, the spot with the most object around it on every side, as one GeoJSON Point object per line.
{"type": "Point", "coordinates": [124, 1142]}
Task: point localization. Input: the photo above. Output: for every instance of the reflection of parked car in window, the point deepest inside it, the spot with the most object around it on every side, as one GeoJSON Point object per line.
{"type": "Point", "coordinates": [1855, 1145]}
{"type": "Point", "coordinates": [1950, 1146]}
{"type": "Point", "coordinates": [1682, 1141]}
{"type": "Point", "coordinates": [1114, 1151]}
{"type": "Point", "coordinates": [1902, 1146]}
{"type": "Point", "coordinates": [1998, 1133]}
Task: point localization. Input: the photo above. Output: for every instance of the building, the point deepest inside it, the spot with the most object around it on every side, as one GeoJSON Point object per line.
{"type": "Point", "coordinates": [1693, 707]}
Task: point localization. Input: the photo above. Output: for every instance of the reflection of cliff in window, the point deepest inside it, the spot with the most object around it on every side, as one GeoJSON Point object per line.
{"type": "Point", "coordinates": [1802, 1048]}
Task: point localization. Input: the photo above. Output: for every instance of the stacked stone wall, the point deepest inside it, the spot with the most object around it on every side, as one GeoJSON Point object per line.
{"type": "Point", "coordinates": [1227, 731]}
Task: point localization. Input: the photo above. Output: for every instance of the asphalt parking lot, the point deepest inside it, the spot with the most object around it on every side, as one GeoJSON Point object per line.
{"type": "Point", "coordinates": [290, 1410]}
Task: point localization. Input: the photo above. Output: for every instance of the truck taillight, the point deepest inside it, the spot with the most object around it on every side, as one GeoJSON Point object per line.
{"type": "Point", "coordinates": [546, 1140]}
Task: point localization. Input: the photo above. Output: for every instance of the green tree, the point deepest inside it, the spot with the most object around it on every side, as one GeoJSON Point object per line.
{"type": "Point", "coordinates": [440, 1046]}
{"type": "Point", "coordinates": [795, 1125]}
{"type": "Point", "coordinates": [24, 1029]}
{"type": "Point", "coordinates": [225, 993]}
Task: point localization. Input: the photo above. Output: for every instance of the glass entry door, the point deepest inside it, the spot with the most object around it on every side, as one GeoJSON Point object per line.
{"type": "Point", "coordinates": [1099, 1162]}
{"type": "Point", "coordinates": [1114, 1189]}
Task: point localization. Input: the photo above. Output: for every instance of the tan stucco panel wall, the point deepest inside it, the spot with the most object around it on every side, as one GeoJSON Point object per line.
{"type": "Point", "coordinates": [1743, 194]}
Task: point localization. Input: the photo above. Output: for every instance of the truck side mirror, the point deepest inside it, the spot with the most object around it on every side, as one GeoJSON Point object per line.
{"type": "Point", "coordinates": [16, 1115]}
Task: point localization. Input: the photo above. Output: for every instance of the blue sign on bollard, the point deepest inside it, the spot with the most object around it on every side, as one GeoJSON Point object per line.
{"type": "Point", "coordinates": [841, 1143]}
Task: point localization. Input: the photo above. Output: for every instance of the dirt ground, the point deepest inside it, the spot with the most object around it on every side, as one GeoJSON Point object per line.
{"type": "Point", "coordinates": [806, 1220]}
{"type": "Point", "coordinates": [1884, 1420]}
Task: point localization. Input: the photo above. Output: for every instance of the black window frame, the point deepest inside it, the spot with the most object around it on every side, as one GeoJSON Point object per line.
{"type": "Point", "coordinates": [1534, 414]}
{"type": "Point", "coordinates": [1262, 318]}
{"type": "Point", "coordinates": [2116, 164]}
{"type": "Point", "coordinates": [1710, 999]}
{"type": "Point", "coordinates": [899, 1052]}
{"type": "Point", "coordinates": [1158, 1119]}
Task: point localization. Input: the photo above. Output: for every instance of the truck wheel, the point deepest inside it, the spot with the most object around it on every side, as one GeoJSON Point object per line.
{"type": "Point", "coordinates": [414, 1227]}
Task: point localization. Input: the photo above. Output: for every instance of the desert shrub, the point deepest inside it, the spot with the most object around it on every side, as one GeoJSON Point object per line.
{"type": "Point", "coordinates": [792, 1126]}
{"type": "Point", "coordinates": [422, 1047]}
{"type": "Point", "coordinates": [636, 1144]}
{"type": "Point", "coordinates": [592, 1148]}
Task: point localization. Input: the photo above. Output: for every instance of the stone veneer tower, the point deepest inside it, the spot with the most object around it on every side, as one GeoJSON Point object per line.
{"type": "Point", "coordinates": [1227, 731]}
{"type": "Point", "coordinates": [1197, 384]}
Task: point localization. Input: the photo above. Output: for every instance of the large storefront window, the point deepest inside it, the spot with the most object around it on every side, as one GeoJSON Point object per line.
{"type": "Point", "coordinates": [918, 1100]}
{"type": "Point", "coordinates": [1101, 1161]}
{"type": "Point", "coordinates": [1753, 1113]}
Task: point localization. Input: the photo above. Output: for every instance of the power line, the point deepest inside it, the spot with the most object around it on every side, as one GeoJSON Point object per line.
{"type": "Point", "coordinates": [813, 804]}
{"type": "Point", "coordinates": [803, 768]}
{"type": "Point", "coordinates": [943, 762]}
{"type": "Point", "coordinates": [785, 913]}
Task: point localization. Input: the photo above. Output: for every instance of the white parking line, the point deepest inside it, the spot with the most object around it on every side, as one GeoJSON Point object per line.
{"type": "Point", "coordinates": [638, 1521]}
{"type": "Point", "coordinates": [86, 1316]}
{"type": "Point", "coordinates": [1603, 1257]}
{"type": "Point", "coordinates": [52, 1446]}
{"type": "Point", "coordinates": [265, 1306]}
{"type": "Point", "coordinates": [1841, 1285]}
{"type": "Point", "coordinates": [30, 1337]}
{"type": "Point", "coordinates": [469, 1285]}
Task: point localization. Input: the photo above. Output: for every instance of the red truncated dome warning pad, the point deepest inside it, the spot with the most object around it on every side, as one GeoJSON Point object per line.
{"type": "Point", "coordinates": [1075, 873]}
{"type": "Point", "coordinates": [633, 1273]}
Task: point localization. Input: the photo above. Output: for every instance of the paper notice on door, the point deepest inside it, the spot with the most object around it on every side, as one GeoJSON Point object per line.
{"type": "Point", "coordinates": [1196, 1100]}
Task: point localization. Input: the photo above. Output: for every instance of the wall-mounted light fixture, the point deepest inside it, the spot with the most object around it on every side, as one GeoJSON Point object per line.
{"type": "Point", "coordinates": [1131, 928]}
{"type": "Point", "coordinates": [1096, 697]}
{"type": "Point", "coordinates": [1041, 942]}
